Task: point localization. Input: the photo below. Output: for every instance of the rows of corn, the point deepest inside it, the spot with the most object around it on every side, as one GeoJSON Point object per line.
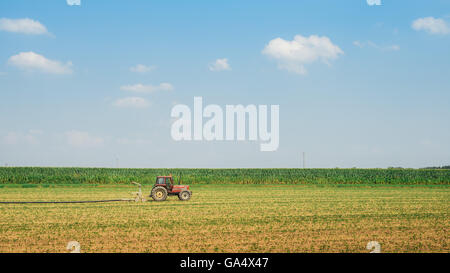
{"type": "Point", "coordinates": [49, 176]}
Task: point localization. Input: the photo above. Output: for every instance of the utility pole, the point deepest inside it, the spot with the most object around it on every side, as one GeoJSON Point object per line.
{"type": "Point", "coordinates": [304, 156]}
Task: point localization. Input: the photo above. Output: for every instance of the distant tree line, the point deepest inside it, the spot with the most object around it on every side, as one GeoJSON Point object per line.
{"type": "Point", "coordinates": [437, 168]}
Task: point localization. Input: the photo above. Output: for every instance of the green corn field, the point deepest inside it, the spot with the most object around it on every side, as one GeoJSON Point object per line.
{"type": "Point", "coordinates": [61, 176]}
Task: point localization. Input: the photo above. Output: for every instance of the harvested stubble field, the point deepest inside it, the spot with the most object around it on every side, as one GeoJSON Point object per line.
{"type": "Point", "coordinates": [230, 218]}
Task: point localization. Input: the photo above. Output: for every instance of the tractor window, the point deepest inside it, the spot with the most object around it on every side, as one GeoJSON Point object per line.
{"type": "Point", "coordinates": [160, 180]}
{"type": "Point", "coordinates": [167, 181]}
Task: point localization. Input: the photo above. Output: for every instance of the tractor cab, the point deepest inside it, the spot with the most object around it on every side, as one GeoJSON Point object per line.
{"type": "Point", "coordinates": [164, 181]}
{"type": "Point", "coordinates": [164, 186]}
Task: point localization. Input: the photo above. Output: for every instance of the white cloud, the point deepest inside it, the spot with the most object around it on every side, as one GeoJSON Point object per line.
{"type": "Point", "coordinates": [374, 45]}
{"type": "Point", "coordinates": [391, 48]}
{"type": "Point", "coordinates": [140, 68]}
{"type": "Point", "coordinates": [34, 61]}
{"type": "Point", "coordinates": [35, 132]}
{"type": "Point", "coordinates": [25, 26]}
{"type": "Point", "coordinates": [293, 55]}
{"type": "Point", "coordinates": [431, 25]}
{"type": "Point", "coordinates": [13, 138]}
{"type": "Point", "coordinates": [220, 65]}
{"type": "Point", "coordinates": [358, 44]}
{"type": "Point", "coordinates": [374, 2]}
{"type": "Point", "coordinates": [74, 2]}
{"type": "Point", "coordinates": [132, 102]}
{"type": "Point", "coordinates": [141, 88]}
{"type": "Point", "coordinates": [83, 139]}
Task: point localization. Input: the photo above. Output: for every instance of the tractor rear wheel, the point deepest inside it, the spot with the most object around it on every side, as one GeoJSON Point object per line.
{"type": "Point", "coordinates": [184, 195]}
{"type": "Point", "coordinates": [159, 194]}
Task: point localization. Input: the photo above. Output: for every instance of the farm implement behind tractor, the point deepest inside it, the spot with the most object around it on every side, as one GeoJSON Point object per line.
{"type": "Point", "coordinates": [162, 188]}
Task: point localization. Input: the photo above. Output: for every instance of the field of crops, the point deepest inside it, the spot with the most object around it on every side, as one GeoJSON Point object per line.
{"type": "Point", "coordinates": [232, 210]}
{"type": "Point", "coordinates": [51, 176]}
{"type": "Point", "coordinates": [230, 218]}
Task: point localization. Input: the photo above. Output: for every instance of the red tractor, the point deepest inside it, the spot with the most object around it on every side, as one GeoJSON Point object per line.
{"type": "Point", "coordinates": [164, 186]}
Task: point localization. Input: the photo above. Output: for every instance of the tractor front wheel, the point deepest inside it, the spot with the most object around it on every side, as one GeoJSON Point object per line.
{"type": "Point", "coordinates": [184, 195]}
{"type": "Point", "coordinates": [159, 194]}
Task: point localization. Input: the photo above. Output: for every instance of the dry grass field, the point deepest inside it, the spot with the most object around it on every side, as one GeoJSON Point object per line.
{"type": "Point", "coordinates": [230, 218]}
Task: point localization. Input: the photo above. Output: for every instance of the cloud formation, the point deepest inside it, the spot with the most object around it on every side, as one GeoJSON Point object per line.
{"type": "Point", "coordinates": [376, 46]}
{"type": "Point", "coordinates": [24, 26]}
{"type": "Point", "coordinates": [431, 25]}
{"type": "Point", "coordinates": [131, 102]}
{"type": "Point", "coordinates": [140, 68]}
{"type": "Point", "coordinates": [74, 2]}
{"type": "Point", "coordinates": [14, 138]}
{"type": "Point", "coordinates": [294, 55]}
{"type": "Point", "coordinates": [374, 2]}
{"type": "Point", "coordinates": [83, 139]}
{"type": "Point", "coordinates": [34, 62]}
{"type": "Point", "coordinates": [141, 88]}
{"type": "Point", "coordinates": [220, 65]}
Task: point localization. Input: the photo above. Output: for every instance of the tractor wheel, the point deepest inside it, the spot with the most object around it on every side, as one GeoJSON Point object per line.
{"type": "Point", "coordinates": [159, 194]}
{"type": "Point", "coordinates": [184, 195]}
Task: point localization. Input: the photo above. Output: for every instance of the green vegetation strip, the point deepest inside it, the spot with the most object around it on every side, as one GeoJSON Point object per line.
{"type": "Point", "coordinates": [99, 176]}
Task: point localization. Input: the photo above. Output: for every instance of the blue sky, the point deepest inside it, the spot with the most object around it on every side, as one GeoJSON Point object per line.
{"type": "Point", "coordinates": [381, 100]}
